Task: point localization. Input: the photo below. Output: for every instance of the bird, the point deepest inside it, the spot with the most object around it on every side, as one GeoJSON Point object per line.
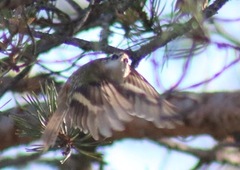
{"type": "Point", "coordinates": [104, 94]}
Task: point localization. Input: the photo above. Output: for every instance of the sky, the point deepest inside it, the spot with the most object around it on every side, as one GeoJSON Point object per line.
{"type": "Point", "coordinates": [145, 154]}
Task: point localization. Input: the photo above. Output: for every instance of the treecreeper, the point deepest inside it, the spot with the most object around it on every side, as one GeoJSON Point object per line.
{"type": "Point", "coordinates": [104, 94]}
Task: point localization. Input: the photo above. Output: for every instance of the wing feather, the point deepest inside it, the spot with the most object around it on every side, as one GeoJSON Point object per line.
{"type": "Point", "coordinates": [100, 108]}
{"type": "Point", "coordinates": [146, 100]}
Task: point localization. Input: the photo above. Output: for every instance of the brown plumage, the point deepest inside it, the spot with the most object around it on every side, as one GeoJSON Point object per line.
{"type": "Point", "coordinates": [104, 94]}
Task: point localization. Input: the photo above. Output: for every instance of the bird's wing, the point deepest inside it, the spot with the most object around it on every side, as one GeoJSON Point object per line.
{"type": "Point", "coordinates": [98, 108]}
{"type": "Point", "coordinates": [146, 101]}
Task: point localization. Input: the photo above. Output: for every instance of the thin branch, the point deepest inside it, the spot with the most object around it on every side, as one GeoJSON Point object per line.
{"type": "Point", "coordinates": [83, 44]}
{"type": "Point", "coordinates": [220, 153]}
{"type": "Point", "coordinates": [228, 66]}
{"type": "Point", "coordinates": [177, 30]}
{"type": "Point", "coordinates": [20, 160]}
{"type": "Point", "coordinates": [12, 4]}
{"type": "Point", "coordinates": [10, 84]}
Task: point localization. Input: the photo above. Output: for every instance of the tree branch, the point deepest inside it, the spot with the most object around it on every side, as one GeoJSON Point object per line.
{"type": "Point", "coordinates": [21, 160]}
{"type": "Point", "coordinates": [12, 4]}
{"type": "Point", "coordinates": [176, 31]}
{"type": "Point", "coordinates": [222, 153]}
{"type": "Point", "coordinates": [80, 43]}
{"type": "Point", "coordinates": [216, 114]}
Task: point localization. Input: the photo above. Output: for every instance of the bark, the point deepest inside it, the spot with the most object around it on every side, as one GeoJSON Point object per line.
{"type": "Point", "coordinates": [12, 4]}
{"type": "Point", "coordinates": [222, 153]}
{"type": "Point", "coordinates": [27, 84]}
{"type": "Point", "coordinates": [216, 114]}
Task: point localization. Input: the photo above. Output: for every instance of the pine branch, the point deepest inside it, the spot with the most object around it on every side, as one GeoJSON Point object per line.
{"type": "Point", "coordinates": [19, 161]}
{"type": "Point", "coordinates": [69, 138]}
{"type": "Point", "coordinates": [222, 152]}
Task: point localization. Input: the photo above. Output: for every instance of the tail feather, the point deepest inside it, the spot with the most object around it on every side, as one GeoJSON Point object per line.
{"type": "Point", "coordinates": [51, 132]}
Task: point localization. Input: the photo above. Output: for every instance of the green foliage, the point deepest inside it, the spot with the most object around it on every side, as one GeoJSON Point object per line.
{"type": "Point", "coordinates": [34, 121]}
{"type": "Point", "coordinates": [36, 112]}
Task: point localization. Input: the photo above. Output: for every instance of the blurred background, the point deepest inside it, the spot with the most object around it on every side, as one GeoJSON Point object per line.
{"type": "Point", "coordinates": [49, 40]}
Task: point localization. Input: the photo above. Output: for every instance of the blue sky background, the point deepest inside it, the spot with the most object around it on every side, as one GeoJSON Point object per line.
{"type": "Point", "coordinates": [144, 154]}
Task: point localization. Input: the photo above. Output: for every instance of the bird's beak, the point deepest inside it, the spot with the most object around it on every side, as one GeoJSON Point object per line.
{"type": "Point", "coordinates": [126, 67]}
{"type": "Point", "coordinates": [124, 58]}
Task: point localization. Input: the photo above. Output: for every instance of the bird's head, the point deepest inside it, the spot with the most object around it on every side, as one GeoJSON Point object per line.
{"type": "Point", "coordinates": [117, 66]}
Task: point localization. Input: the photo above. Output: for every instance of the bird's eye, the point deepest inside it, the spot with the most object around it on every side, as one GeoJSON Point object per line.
{"type": "Point", "coordinates": [125, 60]}
{"type": "Point", "coordinates": [115, 56]}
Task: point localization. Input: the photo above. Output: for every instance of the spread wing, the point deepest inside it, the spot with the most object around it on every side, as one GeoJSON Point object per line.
{"type": "Point", "coordinates": [147, 102]}
{"type": "Point", "coordinates": [99, 108]}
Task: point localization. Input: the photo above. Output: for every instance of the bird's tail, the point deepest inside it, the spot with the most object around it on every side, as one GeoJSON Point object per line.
{"type": "Point", "coordinates": [52, 129]}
